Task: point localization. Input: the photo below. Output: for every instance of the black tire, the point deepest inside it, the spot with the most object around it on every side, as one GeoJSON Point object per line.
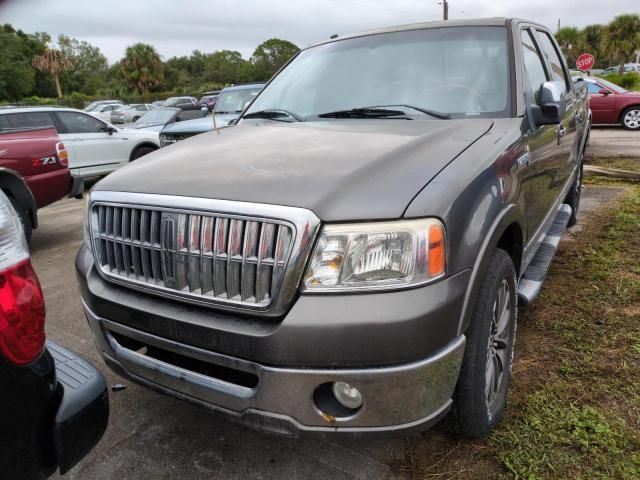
{"type": "Point", "coordinates": [573, 197]}
{"type": "Point", "coordinates": [25, 219]}
{"type": "Point", "coordinates": [477, 409]}
{"type": "Point", "coordinates": [630, 118]}
{"type": "Point", "coordinates": [140, 152]}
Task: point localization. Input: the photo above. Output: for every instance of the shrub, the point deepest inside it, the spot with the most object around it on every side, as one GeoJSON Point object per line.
{"type": "Point", "coordinates": [630, 80]}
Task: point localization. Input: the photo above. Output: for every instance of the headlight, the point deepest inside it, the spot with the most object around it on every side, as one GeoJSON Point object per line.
{"type": "Point", "coordinates": [377, 255]}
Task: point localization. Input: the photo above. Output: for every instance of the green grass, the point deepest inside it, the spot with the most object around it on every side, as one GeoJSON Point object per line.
{"type": "Point", "coordinates": [574, 402]}
{"type": "Point", "coordinates": [583, 420]}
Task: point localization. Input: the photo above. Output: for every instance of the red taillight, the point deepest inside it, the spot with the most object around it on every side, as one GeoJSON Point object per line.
{"type": "Point", "coordinates": [22, 314]}
{"type": "Point", "coordinates": [63, 155]}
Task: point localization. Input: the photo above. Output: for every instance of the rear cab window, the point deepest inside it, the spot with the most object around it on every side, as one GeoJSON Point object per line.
{"type": "Point", "coordinates": [29, 120]}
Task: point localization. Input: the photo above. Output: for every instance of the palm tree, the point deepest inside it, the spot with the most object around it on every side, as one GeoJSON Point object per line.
{"type": "Point", "coordinates": [54, 62]}
{"type": "Point", "coordinates": [572, 43]}
{"type": "Point", "coordinates": [622, 37]}
{"type": "Point", "coordinates": [142, 67]}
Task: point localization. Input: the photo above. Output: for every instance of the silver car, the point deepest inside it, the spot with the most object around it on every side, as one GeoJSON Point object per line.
{"type": "Point", "coordinates": [131, 113]}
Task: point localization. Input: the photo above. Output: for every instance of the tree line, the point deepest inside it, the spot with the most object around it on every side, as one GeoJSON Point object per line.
{"type": "Point", "coordinates": [613, 44]}
{"type": "Point", "coordinates": [34, 65]}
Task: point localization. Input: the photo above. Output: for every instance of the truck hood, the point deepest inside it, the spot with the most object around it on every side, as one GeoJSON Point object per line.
{"type": "Point", "coordinates": [200, 125]}
{"type": "Point", "coordinates": [340, 169]}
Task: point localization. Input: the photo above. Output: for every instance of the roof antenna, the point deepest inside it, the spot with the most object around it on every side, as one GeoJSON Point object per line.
{"type": "Point", "coordinates": [335, 35]}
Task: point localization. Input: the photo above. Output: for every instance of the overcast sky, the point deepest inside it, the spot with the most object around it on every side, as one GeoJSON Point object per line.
{"type": "Point", "coordinates": [177, 28]}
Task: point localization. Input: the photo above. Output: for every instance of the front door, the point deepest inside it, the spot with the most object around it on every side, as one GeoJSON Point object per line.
{"type": "Point", "coordinates": [94, 150]}
{"type": "Point", "coordinates": [603, 106]}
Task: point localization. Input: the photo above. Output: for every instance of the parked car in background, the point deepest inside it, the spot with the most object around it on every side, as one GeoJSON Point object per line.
{"type": "Point", "coordinates": [34, 171]}
{"type": "Point", "coordinates": [209, 99]}
{"type": "Point", "coordinates": [229, 105]}
{"type": "Point", "coordinates": [350, 256]}
{"type": "Point", "coordinates": [611, 103]}
{"type": "Point", "coordinates": [54, 406]}
{"type": "Point", "coordinates": [156, 119]}
{"type": "Point", "coordinates": [181, 102]}
{"type": "Point", "coordinates": [103, 112]}
{"type": "Point", "coordinates": [157, 103]}
{"type": "Point", "coordinates": [94, 147]}
{"type": "Point", "coordinates": [131, 113]}
{"type": "Point", "coordinates": [93, 105]}
{"type": "Point", "coordinates": [628, 67]}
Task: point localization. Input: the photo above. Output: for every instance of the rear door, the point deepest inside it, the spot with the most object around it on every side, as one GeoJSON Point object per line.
{"type": "Point", "coordinates": [538, 168]}
{"type": "Point", "coordinates": [95, 150]}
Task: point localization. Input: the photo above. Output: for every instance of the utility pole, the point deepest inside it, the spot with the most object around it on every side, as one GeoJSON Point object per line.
{"type": "Point", "coordinates": [445, 10]}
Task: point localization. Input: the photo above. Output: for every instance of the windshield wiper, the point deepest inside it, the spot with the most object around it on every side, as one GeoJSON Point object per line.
{"type": "Point", "coordinates": [380, 112]}
{"type": "Point", "coordinates": [428, 111]}
{"type": "Point", "coordinates": [365, 112]}
{"type": "Point", "coordinates": [274, 114]}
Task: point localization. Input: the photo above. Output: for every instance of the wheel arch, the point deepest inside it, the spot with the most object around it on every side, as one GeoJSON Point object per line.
{"type": "Point", "coordinates": [506, 232]}
{"type": "Point", "coordinates": [143, 144]}
{"type": "Point", "coordinates": [623, 111]}
{"type": "Point", "coordinates": [15, 186]}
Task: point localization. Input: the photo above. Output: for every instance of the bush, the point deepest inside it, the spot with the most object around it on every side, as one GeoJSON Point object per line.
{"type": "Point", "coordinates": [630, 80]}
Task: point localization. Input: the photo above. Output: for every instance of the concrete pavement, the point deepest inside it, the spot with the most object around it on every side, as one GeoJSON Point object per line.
{"type": "Point", "coordinates": [613, 142]}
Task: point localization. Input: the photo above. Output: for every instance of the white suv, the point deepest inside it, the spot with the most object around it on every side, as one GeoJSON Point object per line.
{"type": "Point", "coordinates": [95, 147]}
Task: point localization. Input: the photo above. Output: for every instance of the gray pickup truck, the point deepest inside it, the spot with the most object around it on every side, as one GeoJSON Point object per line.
{"type": "Point", "coordinates": [348, 258]}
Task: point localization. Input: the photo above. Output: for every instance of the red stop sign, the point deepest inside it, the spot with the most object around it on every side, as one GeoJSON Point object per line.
{"type": "Point", "coordinates": [585, 62]}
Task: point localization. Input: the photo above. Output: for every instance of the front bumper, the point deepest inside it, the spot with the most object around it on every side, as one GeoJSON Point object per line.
{"type": "Point", "coordinates": [400, 398]}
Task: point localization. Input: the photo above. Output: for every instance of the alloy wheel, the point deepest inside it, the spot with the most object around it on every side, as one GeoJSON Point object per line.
{"type": "Point", "coordinates": [497, 351]}
{"type": "Point", "coordinates": [632, 119]}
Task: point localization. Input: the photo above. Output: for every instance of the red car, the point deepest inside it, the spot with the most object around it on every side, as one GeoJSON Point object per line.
{"type": "Point", "coordinates": [34, 172]}
{"type": "Point", "coordinates": [613, 104]}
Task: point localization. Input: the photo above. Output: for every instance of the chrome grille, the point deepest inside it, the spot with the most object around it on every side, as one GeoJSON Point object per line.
{"type": "Point", "coordinates": [195, 255]}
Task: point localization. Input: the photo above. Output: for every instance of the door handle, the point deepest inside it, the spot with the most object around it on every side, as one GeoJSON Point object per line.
{"type": "Point", "coordinates": [562, 131]}
{"type": "Point", "coordinates": [579, 117]}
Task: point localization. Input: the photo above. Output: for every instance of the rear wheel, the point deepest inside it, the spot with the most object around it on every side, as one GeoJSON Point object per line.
{"type": "Point", "coordinates": [140, 152]}
{"type": "Point", "coordinates": [481, 393]}
{"type": "Point", "coordinates": [630, 118]}
{"type": "Point", "coordinates": [573, 197]}
{"type": "Point", "coordinates": [25, 219]}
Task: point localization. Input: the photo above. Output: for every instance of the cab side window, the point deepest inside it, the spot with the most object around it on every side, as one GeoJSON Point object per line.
{"type": "Point", "coordinates": [593, 87]}
{"type": "Point", "coordinates": [76, 122]}
{"type": "Point", "coordinates": [533, 65]}
{"type": "Point", "coordinates": [555, 62]}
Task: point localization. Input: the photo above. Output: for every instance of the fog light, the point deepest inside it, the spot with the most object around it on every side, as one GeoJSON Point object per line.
{"type": "Point", "coordinates": [347, 395]}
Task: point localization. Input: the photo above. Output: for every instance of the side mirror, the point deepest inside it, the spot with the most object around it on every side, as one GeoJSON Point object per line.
{"type": "Point", "coordinates": [604, 91]}
{"type": "Point", "coordinates": [551, 104]}
{"type": "Point", "coordinates": [205, 111]}
{"type": "Point", "coordinates": [110, 130]}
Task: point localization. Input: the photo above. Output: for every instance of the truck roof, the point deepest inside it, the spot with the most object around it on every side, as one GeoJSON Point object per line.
{"type": "Point", "coordinates": [474, 22]}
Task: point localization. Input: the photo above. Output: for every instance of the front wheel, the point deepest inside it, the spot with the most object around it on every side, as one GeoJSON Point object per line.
{"type": "Point", "coordinates": [481, 392]}
{"type": "Point", "coordinates": [630, 118]}
{"type": "Point", "coordinates": [140, 152]}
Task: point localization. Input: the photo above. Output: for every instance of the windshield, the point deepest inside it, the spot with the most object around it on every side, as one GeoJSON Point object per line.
{"type": "Point", "coordinates": [234, 101]}
{"type": "Point", "coordinates": [460, 71]}
{"type": "Point", "coordinates": [612, 86]}
{"type": "Point", "coordinates": [157, 116]}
